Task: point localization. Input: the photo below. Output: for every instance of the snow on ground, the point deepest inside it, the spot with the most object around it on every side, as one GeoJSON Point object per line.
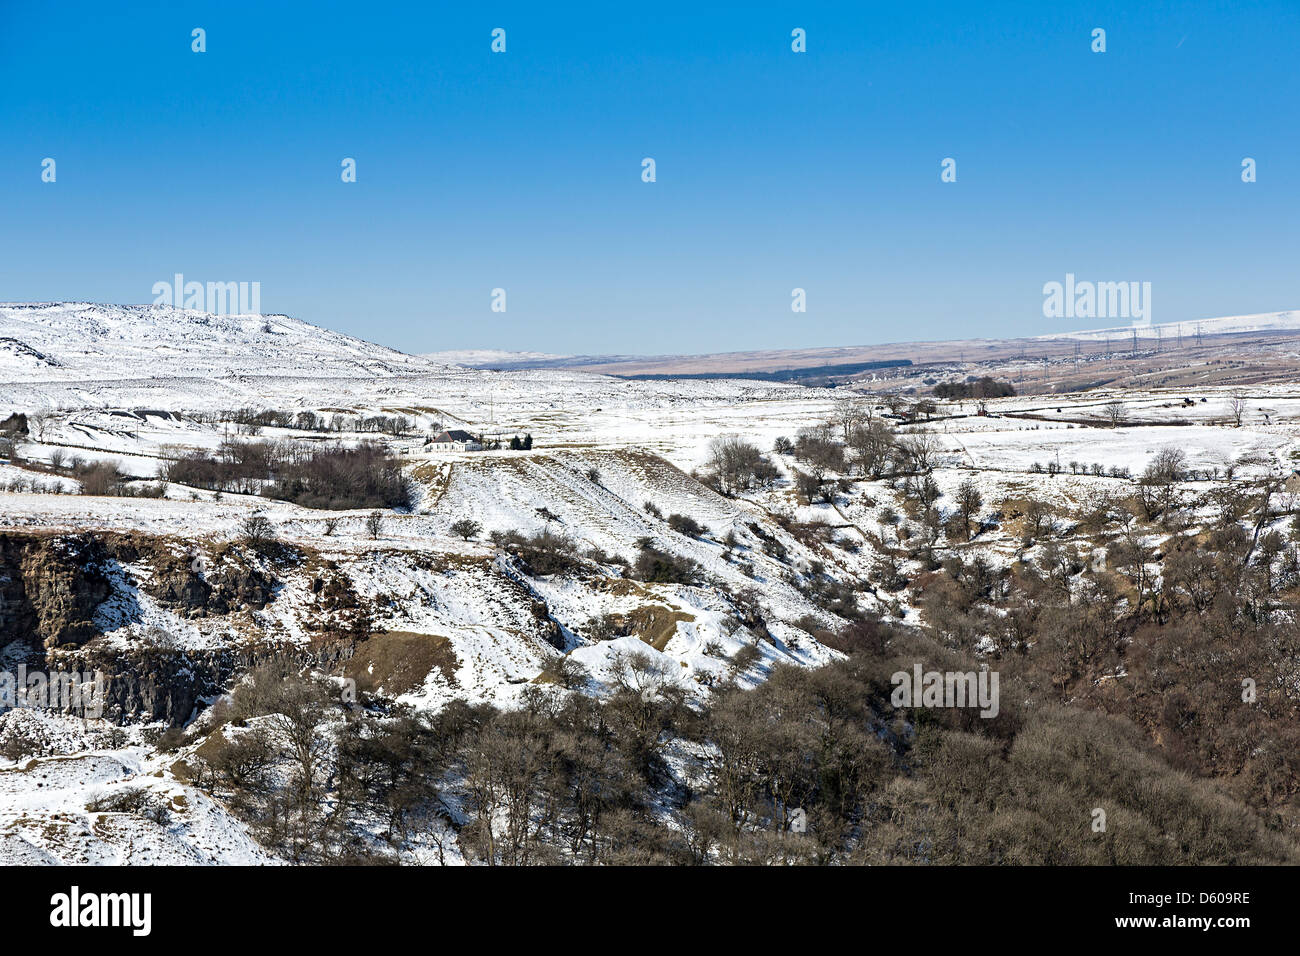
{"type": "Point", "coordinates": [46, 816]}
{"type": "Point", "coordinates": [128, 384]}
{"type": "Point", "coordinates": [1019, 449]}
{"type": "Point", "coordinates": [78, 341]}
{"type": "Point", "coordinates": [15, 479]}
{"type": "Point", "coordinates": [489, 358]}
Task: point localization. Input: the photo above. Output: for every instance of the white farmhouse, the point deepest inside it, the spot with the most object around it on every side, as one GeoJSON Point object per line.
{"type": "Point", "coordinates": [455, 440]}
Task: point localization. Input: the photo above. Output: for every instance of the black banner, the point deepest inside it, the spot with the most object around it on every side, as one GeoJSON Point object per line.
{"type": "Point", "coordinates": [334, 907]}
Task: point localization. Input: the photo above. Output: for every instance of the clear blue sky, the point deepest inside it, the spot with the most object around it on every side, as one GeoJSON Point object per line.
{"type": "Point", "coordinates": [775, 169]}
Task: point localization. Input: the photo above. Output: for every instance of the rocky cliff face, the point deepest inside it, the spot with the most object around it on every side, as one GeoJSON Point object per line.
{"type": "Point", "coordinates": [170, 684]}
{"type": "Point", "coordinates": [229, 582]}
{"type": "Point", "coordinates": [51, 586]}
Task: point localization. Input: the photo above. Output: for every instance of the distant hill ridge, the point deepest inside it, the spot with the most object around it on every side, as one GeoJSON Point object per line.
{"type": "Point", "coordinates": [83, 340]}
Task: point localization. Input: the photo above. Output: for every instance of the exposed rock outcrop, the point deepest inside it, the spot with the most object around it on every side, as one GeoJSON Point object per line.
{"type": "Point", "coordinates": [169, 684]}
{"type": "Point", "coordinates": [228, 583]}
{"type": "Point", "coordinates": [50, 587]}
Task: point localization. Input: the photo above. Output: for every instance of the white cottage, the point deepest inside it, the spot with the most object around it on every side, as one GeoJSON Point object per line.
{"type": "Point", "coordinates": [456, 440]}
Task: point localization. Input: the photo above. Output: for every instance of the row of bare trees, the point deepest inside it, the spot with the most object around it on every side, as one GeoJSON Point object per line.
{"type": "Point", "coordinates": [331, 477]}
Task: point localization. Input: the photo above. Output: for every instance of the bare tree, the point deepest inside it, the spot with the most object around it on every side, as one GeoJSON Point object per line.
{"type": "Point", "coordinates": [375, 524]}
{"type": "Point", "coordinates": [873, 447]}
{"type": "Point", "coordinates": [1237, 406]}
{"type": "Point", "coordinates": [851, 413]}
{"type": "Point", "coordinates": [1115, 413]}
{"type": "Point", "coordinates": [38, 424]}
{"type": "Point", "coordinates": [257, 530]}
{"type": "Point", "coordinates": [917, 450]}
{"type": "Point", "coordinates": [738, 465]}
{"type": "Point", "coordinates": [969, 501]}
{"type": "Point", "coordinates": [1038, 516]}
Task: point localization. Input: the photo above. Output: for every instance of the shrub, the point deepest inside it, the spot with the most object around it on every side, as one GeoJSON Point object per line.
{"type": "Point", "coordinates": [101, 478]}
{"type": "Point", "coordinates": [134, 800]}
{"type": "Point", "coordinates": [660, 567]}
{"type": "Point", "coordinates": [541, 554]}
{"type": "Point", "coordinates": [565, 671]}
{"type": "Point", "coordinates": [683, 524]}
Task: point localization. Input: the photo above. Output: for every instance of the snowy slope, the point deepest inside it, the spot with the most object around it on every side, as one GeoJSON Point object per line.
{"type": "Point", "coordinates": [80, 341]}
{"type": "Point", "coordinates": [1224, 325]}
{"type": "Point", "coordinates": [465, 618]}
{"type": "Point", "coordinates": [48, 804]}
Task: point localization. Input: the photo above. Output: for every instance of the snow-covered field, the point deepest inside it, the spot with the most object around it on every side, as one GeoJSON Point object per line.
{"type": "Point", "coordinates": [141, 386]}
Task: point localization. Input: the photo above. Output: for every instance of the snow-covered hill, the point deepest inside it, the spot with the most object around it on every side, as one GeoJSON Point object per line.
{"type": "Point", "coordinates": [1223, 325]}
{"type": "Point", "coordinates": [607, 476]}
{"type": "Point", "coordinates": [80, 341]}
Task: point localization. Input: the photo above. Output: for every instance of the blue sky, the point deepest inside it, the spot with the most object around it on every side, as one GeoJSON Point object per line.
{"type": "Point", "coordinates": [775, 170]}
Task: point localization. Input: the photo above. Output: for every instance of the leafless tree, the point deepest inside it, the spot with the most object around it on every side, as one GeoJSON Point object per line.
{"type": "Point", "coordinates": [257, 530]}
{"type": "Point", "coordinates": [969, 501]}
{"type": "Point", "coordinates": [1038, 516]}
{"type": "Point", "coordinates": [38, 424]}
{"type": "Point", "coordinates": [1115, 413]}
{"type": "Point", "coordinates": [1237, 406]}
{"type": "Point", "coordinates": [918, 450]}
{"type": "Point", "coordinates": [738, 465]}
{"type": "Point", "coordinates": [851, 413]}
